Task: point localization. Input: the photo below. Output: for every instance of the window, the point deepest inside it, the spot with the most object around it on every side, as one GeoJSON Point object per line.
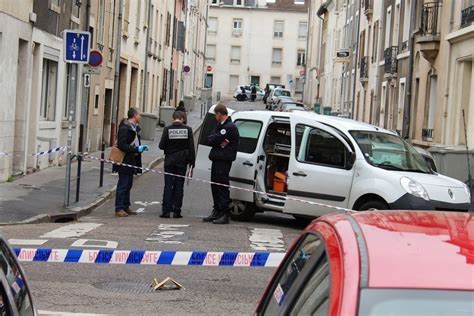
{"type": "Point", "coordinates": [233, 82]}
{"type": "Point", "coordinates": [214, 1]}
{"type": "Point", "coordinates": [111, 16]}
{"type": "Point", "coordinates": [406, 20]}
{"type": "Point", "coordinates": [126, 17]}
{"type": "Point", "coordinates": [137, 19]}
{"type": "Point", "coordinates": [100, 35]}
{"type": "Point", "coordinates": [212, 29]}
{"type": "Point", "coordinates": [299, 1]}
{"type": "Point", "coordinates": [309, 253]}
{"type": "Point", "coordinates": [15, 280]}
{"type": "Point", "coordinates": [210, 52]}
{"type": "Point", "coordinates": [316, 146]}
{"type": "Point", "coordinates": [237, 27]}
{"type": "Point", "coordinates": [249, 134]}
{"type": "Point", "coordinates": [239, 2]}
{"type": "Point", "coordinates": [303, 31]}
{"type": "Point", "coordinates": [277, 56]}
{"type": "Point", "coordinates": [48, 89]}
{"type": "Point", "coordinates": [76, 8]}
{"type": "Point", "coordinates": [168, 29]}
{"type": "Point", "coordinates": [96, 102]}
{"type": "Point", "coordinates": [275, 80]}
{"type": "Point", "coordinates": [278, 28]}
{"type": "Point", "coordinates": [301, 60]}
{"type": "Point", "coordinates": [314, 299]}
{"type": "Point", "coordinates": [375, 42]}
{"type": "Point", "coordinates": [235, 54]}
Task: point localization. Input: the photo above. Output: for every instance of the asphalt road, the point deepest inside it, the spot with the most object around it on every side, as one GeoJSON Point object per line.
{"type": "Point", "coordinates": [121, 289]}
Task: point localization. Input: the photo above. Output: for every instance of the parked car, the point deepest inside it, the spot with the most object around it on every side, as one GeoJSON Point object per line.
{"type": "Point", "coordinates": [377, 263]}
{"type": "Point", "coordinates": [286, 156]}
{"type": "Point", "coordinates": [15, 295]}
{"type": "Point", "coordinates": [241, 96]}
{"type": "Point", "coordinates": [288, 106]}
{"type": "Point", "coordinates": [268, 89]}
{"type": "Point", "coordinates": [276, 101]}
{"type": "Point", "coordinates": [277, 92]}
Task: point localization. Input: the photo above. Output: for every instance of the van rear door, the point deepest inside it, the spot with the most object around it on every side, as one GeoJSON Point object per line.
{"type": "Point", "coordinates": [320, 169]}
{"type": "Point", "coordinates": [244, 167]}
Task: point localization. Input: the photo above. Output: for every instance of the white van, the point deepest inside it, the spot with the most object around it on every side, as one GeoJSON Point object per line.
{"type": "Point", "coordinates": [326, 159]}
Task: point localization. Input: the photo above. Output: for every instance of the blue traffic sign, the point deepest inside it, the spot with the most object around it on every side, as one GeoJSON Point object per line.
{"type": "Point", "coordinates": [76, 46]}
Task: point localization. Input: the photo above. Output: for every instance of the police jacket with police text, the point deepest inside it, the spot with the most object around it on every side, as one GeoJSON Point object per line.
{"type": "Point", "coordinates": [224, 141]}
{"type": "Point", "coordinates": [178, 144]}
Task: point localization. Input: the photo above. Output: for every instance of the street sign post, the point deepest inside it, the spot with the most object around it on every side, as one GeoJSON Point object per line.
{"type": "Point", "coordinates": [76, 51]}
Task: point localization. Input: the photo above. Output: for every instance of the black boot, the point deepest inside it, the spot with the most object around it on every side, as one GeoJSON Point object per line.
{"type": "Point", "coordinates": [224, 219]}
{"type": "Point", "coordinates": [214, 215]}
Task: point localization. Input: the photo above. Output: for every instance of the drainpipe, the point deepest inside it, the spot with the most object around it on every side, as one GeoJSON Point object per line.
{"type": "Point", "coordinates": [147, 48]}
{"type": "Point", "coordinates": [118, 46]}
{"type": "Point", "coordinates": [355, 64]}
{"type": "Point", "coordinates": [204, 71]}
{"type": "Point", "coordinates": [306, 58]}
{"type": "Point", "coordinates": [407, 107]}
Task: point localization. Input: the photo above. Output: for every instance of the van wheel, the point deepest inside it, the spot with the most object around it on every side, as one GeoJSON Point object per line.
{"type": "Point", "coordinates": [374, 206]}
{"type": "Point", "coordinates": [242, 210]}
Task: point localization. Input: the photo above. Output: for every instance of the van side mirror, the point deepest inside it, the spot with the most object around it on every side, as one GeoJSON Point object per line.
{"type": "Point", "coordinates": [351, 160]}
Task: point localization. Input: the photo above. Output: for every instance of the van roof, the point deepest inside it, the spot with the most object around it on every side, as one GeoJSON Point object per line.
{"type": "Point", "coordinates": [342, 124]}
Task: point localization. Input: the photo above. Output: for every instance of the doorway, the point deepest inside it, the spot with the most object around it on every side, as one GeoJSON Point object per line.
{"type": "Point", "coordinates": [255, 80]}
{"type": "Point", "coordinates": [107, 116]}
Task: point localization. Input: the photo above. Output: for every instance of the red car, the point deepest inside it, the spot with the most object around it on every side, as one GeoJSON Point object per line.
{"type": "Point", "coordinates": [378, 263]}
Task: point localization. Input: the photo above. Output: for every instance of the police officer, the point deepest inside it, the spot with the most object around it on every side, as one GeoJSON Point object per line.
{"type": "Point", "coordinates": [178, 145]}
{"type": "Point", "coordinates": [225, 142]}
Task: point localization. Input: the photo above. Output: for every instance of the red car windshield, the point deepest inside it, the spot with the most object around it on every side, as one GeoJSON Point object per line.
{"type": "Point", "coordinates": [408, 302]}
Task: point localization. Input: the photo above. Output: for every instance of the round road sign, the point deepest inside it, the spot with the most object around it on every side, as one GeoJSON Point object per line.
{"type": "Point", "coordinates": [95, 58]}
{"type": "Point", "coordinates": [209, 68]}
{"type": "Point", "coordinates": [186, 69]}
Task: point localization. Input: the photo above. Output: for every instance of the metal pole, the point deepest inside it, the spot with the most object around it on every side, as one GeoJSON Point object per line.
{"type": "Point", "coordinates": [115, 105]}
{"type": "Point", "coordinates": [79, 162]}
{"type": "Point", "coordinates": [467, 151]}
{"type": "Point", "coordinates": [355, 65]}
{"type": "Point", "coordinates": [72, 109]}
{"type": "Point", "coordinates": [102, 163]}
{"type": "Point", "coordinates": [145, 71]}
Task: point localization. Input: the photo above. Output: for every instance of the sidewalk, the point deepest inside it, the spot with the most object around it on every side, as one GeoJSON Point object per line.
{"type": "Point", "coordinates": [39, 197]}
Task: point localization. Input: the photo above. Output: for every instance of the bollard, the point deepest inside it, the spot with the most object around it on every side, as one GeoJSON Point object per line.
{"type": "Point", "coordinates": [102, 163]}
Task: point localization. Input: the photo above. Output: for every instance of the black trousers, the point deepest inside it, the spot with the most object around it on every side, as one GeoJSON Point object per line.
{"type": "Point", "coordinates": [221, 195]}
{"type": "Point", "coordinates": [122, 196]}
{"type": "Point", "coordinates": [173, 191]}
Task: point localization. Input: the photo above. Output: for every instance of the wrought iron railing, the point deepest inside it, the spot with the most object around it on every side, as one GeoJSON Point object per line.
{"type": "Point", "coordinates": [467, 16]}
{"type": "Point", "coordinates": [364, 68]}
{"type": "Point", "coordinates": [391, 62]}
{"type": "Point", "coordinates": [427, 134]}
{"type": "Point", "coordinates": [431, 19]}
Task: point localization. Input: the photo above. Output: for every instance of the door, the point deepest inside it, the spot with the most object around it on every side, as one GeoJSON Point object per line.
{"type": "Point", "coordinates": [243, 172]}
{"type": "Point", "coordinates": [320, 169]}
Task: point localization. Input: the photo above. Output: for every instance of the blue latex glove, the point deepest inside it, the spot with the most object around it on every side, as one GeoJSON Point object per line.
{"type": "Point", "coordinates": [143, 148]}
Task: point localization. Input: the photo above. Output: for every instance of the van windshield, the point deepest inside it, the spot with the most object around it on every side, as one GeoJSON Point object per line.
{"type": "Point", "coordinates": [389, 152]}
{"type": "Point", "coordinates": [279, 93]}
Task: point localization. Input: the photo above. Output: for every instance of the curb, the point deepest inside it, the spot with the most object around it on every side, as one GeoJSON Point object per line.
{"type": "Point", "coordinates": [75, 213]}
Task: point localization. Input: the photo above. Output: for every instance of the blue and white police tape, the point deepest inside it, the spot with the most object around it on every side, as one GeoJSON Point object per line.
{"type": "Point", "coordinates": [342, 209]}
{"type": "Point", "coordinates": [143, 257]}
{"type": "Point", "coordinates": [40, 153]}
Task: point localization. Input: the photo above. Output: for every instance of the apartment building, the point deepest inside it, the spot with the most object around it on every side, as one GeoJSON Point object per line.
{"type": "Point", "coordinates": [265, 42]}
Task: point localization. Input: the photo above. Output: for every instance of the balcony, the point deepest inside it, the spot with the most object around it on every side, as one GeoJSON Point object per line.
{"type": "Point", "coordinates": [467, 16]}
{"type": "Point", "coordinates": [364, 69]}
{"type": "Point", "coordinates": [391, 62]}
{"type": "Point", "coordinates": [368, 8]}
{"type": "Point", "coordinates": [427, 134]}
{"type": "Point", "coordinates": [430, 28]}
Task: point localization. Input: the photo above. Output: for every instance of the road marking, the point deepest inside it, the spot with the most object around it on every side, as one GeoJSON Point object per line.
{"type": "Point", "coordinates": [145, 204]}
{"type": "Point", "coordinates": [141, 210]}
{"type": "Point", "coordinates": [142, 257]}
{"type": "Point", "coordinates": [264, 239]}
{"type": "Point", "coordinates": [27, 242]}
{"type": "Point", "coordinates": [51, 313]}
{"type": "Point", "coordinates": [95, 243]}
{"type": "Point", "coordinates": [167, 234]}
{"type": "Point", "coordinates": [72, 231]}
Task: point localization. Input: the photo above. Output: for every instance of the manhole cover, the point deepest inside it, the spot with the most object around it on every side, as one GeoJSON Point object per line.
{"type": "Point", "coordinates": [125, 287]}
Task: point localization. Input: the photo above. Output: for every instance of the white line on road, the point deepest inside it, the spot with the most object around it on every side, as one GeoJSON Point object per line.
{"type": "Point", "coordinates": [41, 312]}
{"type": "Point", "coordinates": [167, 234]}
{"type": "Point", "coordinates": [141, 210]}
{"type": "Point", "coordinates": [263, 239]}
{"type": "Point", "coordinates": [27, 242]}
{"type": "Point", "coordinates": [94, 243]}
{"type": "Point", "coordinates": [72, 231]}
